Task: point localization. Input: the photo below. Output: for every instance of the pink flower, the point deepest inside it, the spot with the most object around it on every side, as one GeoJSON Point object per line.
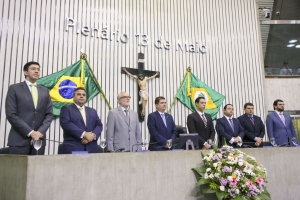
{"type": "Point", "coordinates": [260, 181]}
{"type": "Point", "coordinates": [250, 183]}
{"type": "Point", "coordinates": [233, 182]}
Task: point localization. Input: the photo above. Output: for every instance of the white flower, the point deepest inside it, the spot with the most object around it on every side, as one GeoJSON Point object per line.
{"type": "Point", "coordinates": [229, 178]}
{"type": "Point", "coordinates": [217, 175]}
{"type": "Point", "coordinates": [240, 163]}
{"type": "Point", "coordinates": [208, 169]}
{"type": "Point", "coordinates": [237, 191]}
{"type": "Point", "coordinates": [211, 176]}
{"type": "Point", "coordinates": [222, 188]}
{"type": "Point", "coordinates": [215, 165]}
{"type": "Point", "coordinates": [205, 176]}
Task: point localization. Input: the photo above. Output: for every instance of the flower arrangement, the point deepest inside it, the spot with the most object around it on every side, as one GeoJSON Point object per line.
{"type": "Point", "coordinates": [232, 174]}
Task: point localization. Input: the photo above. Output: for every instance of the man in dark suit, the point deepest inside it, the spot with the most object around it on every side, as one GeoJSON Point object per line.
{"type": "Point", "coordinates": [161, 126]}
{"type": "Point", "coordinates": [230, 128]}
{"type": "Point", "coordinates": [280, 126]}
{"type": "Point", "coordinates": [29, 111]}
{"type": "Point", "coordinates": [254, 128]}
{"type": "Point", "coordinates": [201, 123]}
{"type": "Point", "coordinates": [81, 125]}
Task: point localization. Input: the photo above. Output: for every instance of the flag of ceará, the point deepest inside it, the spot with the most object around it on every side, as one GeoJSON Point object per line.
{"type": "Point", "coordinates": [62, 84]}
{"type": "Point", "coordinates": [192, 88]}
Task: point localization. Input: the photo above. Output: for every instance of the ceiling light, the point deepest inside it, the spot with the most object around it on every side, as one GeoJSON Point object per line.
{"type": "Point", "coordinates": [297, 46]}
{"type": "Point", "coordinates": [290, 45]}
{"type": "Point", "coordinates": [292, 41]}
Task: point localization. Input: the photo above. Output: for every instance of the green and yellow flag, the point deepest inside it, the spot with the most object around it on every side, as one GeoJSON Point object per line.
{"type": "Point", "coordinates": [62, 84]}
{"type": "Point", "coordinates": [192, 88]}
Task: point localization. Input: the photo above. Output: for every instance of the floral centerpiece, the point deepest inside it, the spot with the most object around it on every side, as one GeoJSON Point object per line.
{"type": "Point", "coordinates": [232, 174]}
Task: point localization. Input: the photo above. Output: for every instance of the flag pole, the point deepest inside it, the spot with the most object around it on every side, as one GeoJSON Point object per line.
{"type": "Point", "coordinates": [189, 69]}
{"type": "Point", "coordinates": [83, 57]}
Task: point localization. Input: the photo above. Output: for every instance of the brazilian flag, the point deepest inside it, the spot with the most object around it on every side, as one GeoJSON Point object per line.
{"type": "Point", "coordinates": [192, 88]}
{"type": "Point", "coordinates": [63, 83]}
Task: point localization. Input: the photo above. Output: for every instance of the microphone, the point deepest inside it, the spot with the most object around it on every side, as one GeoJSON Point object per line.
{"type": "Point", "coordinates": [285, 145]}
{"type": "Point", "coordinates": [63, 143]}
{"type": "Point", "coordinates": [120, 150]}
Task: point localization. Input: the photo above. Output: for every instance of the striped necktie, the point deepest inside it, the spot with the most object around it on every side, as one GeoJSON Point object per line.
{"type": "Point", "coordinates": [204, 120]}
{"type": "Point", "coordinates": [231, 124]}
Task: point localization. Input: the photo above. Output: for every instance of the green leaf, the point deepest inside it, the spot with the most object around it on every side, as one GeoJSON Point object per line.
{"type": "Point", "coordinates": [215, 147]}
{"type": "Point", "coordinates": [208, 190]}
{"type": "Point", "coordinates": [202, 154]}
{"type": "Point", "coordinates": [237, 198]}
{"type": "Point", "coordinates": [264, 196]}
{"type": "Point", "coordinates": [200, 170]}
{"type": "Point", "coordinates": [202, 181]}
{"type": "Point", "coordinates": [257, 198]}
{"type": "Point", "coordinates": [221, 195]}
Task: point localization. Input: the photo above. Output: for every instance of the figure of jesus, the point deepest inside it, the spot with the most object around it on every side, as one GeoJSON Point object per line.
{"type": "Point", "coordinates": [143, 88]}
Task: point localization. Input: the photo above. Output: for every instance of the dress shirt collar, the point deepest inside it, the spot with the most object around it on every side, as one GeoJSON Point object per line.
{"type": "Point", "coordinates": [200, 113]}
{"type": "Point", "coordinates": [250, 116]}
{"type": "Point", "coordinates": [228, 117]}
{"type": "Point", "coordinates": [124, 108]}
{"type": "Point", "coordinates": [29, 83]}
{"type": "Point", "coordinates": [79, 106]}
{"type": "Point", "coordinates": [278, 113]}
{"type": "Point", "coordinates": [161, 113]}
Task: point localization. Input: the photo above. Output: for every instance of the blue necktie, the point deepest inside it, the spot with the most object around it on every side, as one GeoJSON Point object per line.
{"type": "Point", "coordinates": [164, 119]}
{"type": "Point", "coordinates": [231, 124]}
{"type": "Point", "coordinates": [252, 120]}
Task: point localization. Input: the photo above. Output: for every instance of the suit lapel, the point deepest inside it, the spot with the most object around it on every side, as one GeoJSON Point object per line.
{"type": "Point", "coordinates": [79, 114]}
{"type": "Point", "coordinates": [278, 118]}
{"type": "Point", "coordinates": [200, 118]}
{"type": "Point", "coordinates": [248, 119]}
{"type": "Point", "coordinates": [121, 113]}
{"type": "Point", "coordinates": [161, 120]}
{"type": "Point", "coordinates": [28, 93]}
{"type": "Point", "coordinates": [39, 90]}
{"type": "Point", "coordinates": [229, 124]}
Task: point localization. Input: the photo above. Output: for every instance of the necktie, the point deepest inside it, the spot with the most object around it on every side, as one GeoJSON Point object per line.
{"type": "Point", "coordinates": [231, 124]}
{"type": "Point", "coordinates": [204, 120]}
{"type": "Point", "coordinates": [82, 114]}
{"type": "Point", "coordinates": [282, 118]}
{"type": "Point", "coordinates": [126, 115]}
{"type": "Point", "coordinates": [34, 95]}
{"type": "Point", "coordinates": [252, 119]}
{"type": "Point", "coordinates": [164, 119]}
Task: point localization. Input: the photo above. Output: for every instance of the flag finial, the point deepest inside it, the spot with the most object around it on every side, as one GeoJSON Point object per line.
{"type": "Point", "coordinates": [189, 69]}
{"type": "Point", "coordinates": [83, 56]}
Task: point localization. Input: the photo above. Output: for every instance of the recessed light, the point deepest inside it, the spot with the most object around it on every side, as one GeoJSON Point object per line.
{"type": "Point", "coordinates": [290, 45]}
{"type": "Point", "coordinates": [292, 41]}
{"type": "Point", "coordinates": [297, 46]}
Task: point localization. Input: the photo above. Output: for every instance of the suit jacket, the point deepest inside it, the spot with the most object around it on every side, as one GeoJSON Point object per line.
{"type": "Point", "coordinates": [72, 123]}
{"type": "Point", "coordinates": [121, 134]}
{"type": "Point", "coordinates": [224, 130]}
{"type": "Point", "coordinates": [22, 115]}
{"type": "Point", "coordinates": [252, 130]}
{"type": "Point", "coordinates": [159, 133]}
{"type": "Point", "coordinates": [276, 129]}
{"type": "Point", "coordinates": [195, 124]}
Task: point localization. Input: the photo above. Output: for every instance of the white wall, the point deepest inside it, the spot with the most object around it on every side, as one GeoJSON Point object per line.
{"type": "Point", "coordinates": [35, 30]}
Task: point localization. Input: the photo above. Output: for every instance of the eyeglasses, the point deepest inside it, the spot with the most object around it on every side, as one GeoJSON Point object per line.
{"type": "Point", "coordinates": [125, 97]}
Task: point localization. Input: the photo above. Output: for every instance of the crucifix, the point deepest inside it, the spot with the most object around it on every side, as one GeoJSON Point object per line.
{"type": "Point", "coordinates": [141, 76]}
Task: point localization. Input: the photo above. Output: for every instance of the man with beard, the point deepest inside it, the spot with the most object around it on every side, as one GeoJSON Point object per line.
{"type": "Point", "coordinates": [123, 130]}
{"type": "Point", "coordinates": [143, 88]}
{"type": "Point", "coordinates": [280, 127]}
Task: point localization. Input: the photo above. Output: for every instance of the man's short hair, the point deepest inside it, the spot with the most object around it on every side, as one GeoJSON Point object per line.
{"type": "Point", "coordinates": [248, 104]}
{"type": "Point", "coordinates": [157, 99]}
{"type": "Point", "coordinates": [26, 66]}
{"type": "Point", "coordinates": [227, 105]}
{"type": "Point", "coordinates": [79, 88]}
{"type": "Point", "coordinates": [198, 99]}
{"type": "Point", "coordinates": [276, 102]}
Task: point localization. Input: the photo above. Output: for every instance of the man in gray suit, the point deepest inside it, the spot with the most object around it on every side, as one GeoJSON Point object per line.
{"type": "Point", "coordinates": [123, 131]}
{"type": "Point", "coordinates": [29, 111]}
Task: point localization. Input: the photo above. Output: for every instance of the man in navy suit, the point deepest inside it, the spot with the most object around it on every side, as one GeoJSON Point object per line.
{"type": "Point", "coordinates": [230, 128]}
{"type": "Point", "coordinates": [81, 124]}
{"type": "Point", "coordinates": [161, 126]}
{"type": "Point", "coordinates": [29, 111]}
{"type": "Point", "coordinates": [254, 128]}
{"type": "Point", "coordinates": [280, 127]}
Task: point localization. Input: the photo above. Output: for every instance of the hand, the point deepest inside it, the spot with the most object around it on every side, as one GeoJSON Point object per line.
{"type": "Point", "coordinates": [236, 139]}
{"type": "Point", "coordinates": [124, 69]}
{"type": "Point", "coordinates": [84, 141]}
{"type": "Point", "coordinates": [259, 140]}
{"type": "Point", "coordinates": [111, 151]}
{"type": "Point", "coordinates": [88, 136]}
{"type": "Point", "coordinates": [157, 73]}
{"type": "Point", "coordinates": [36, 135]}
{"type": "Point", "coordinates": [31, 141]}
{"type": "Point", "coordinates": [206, 146]}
